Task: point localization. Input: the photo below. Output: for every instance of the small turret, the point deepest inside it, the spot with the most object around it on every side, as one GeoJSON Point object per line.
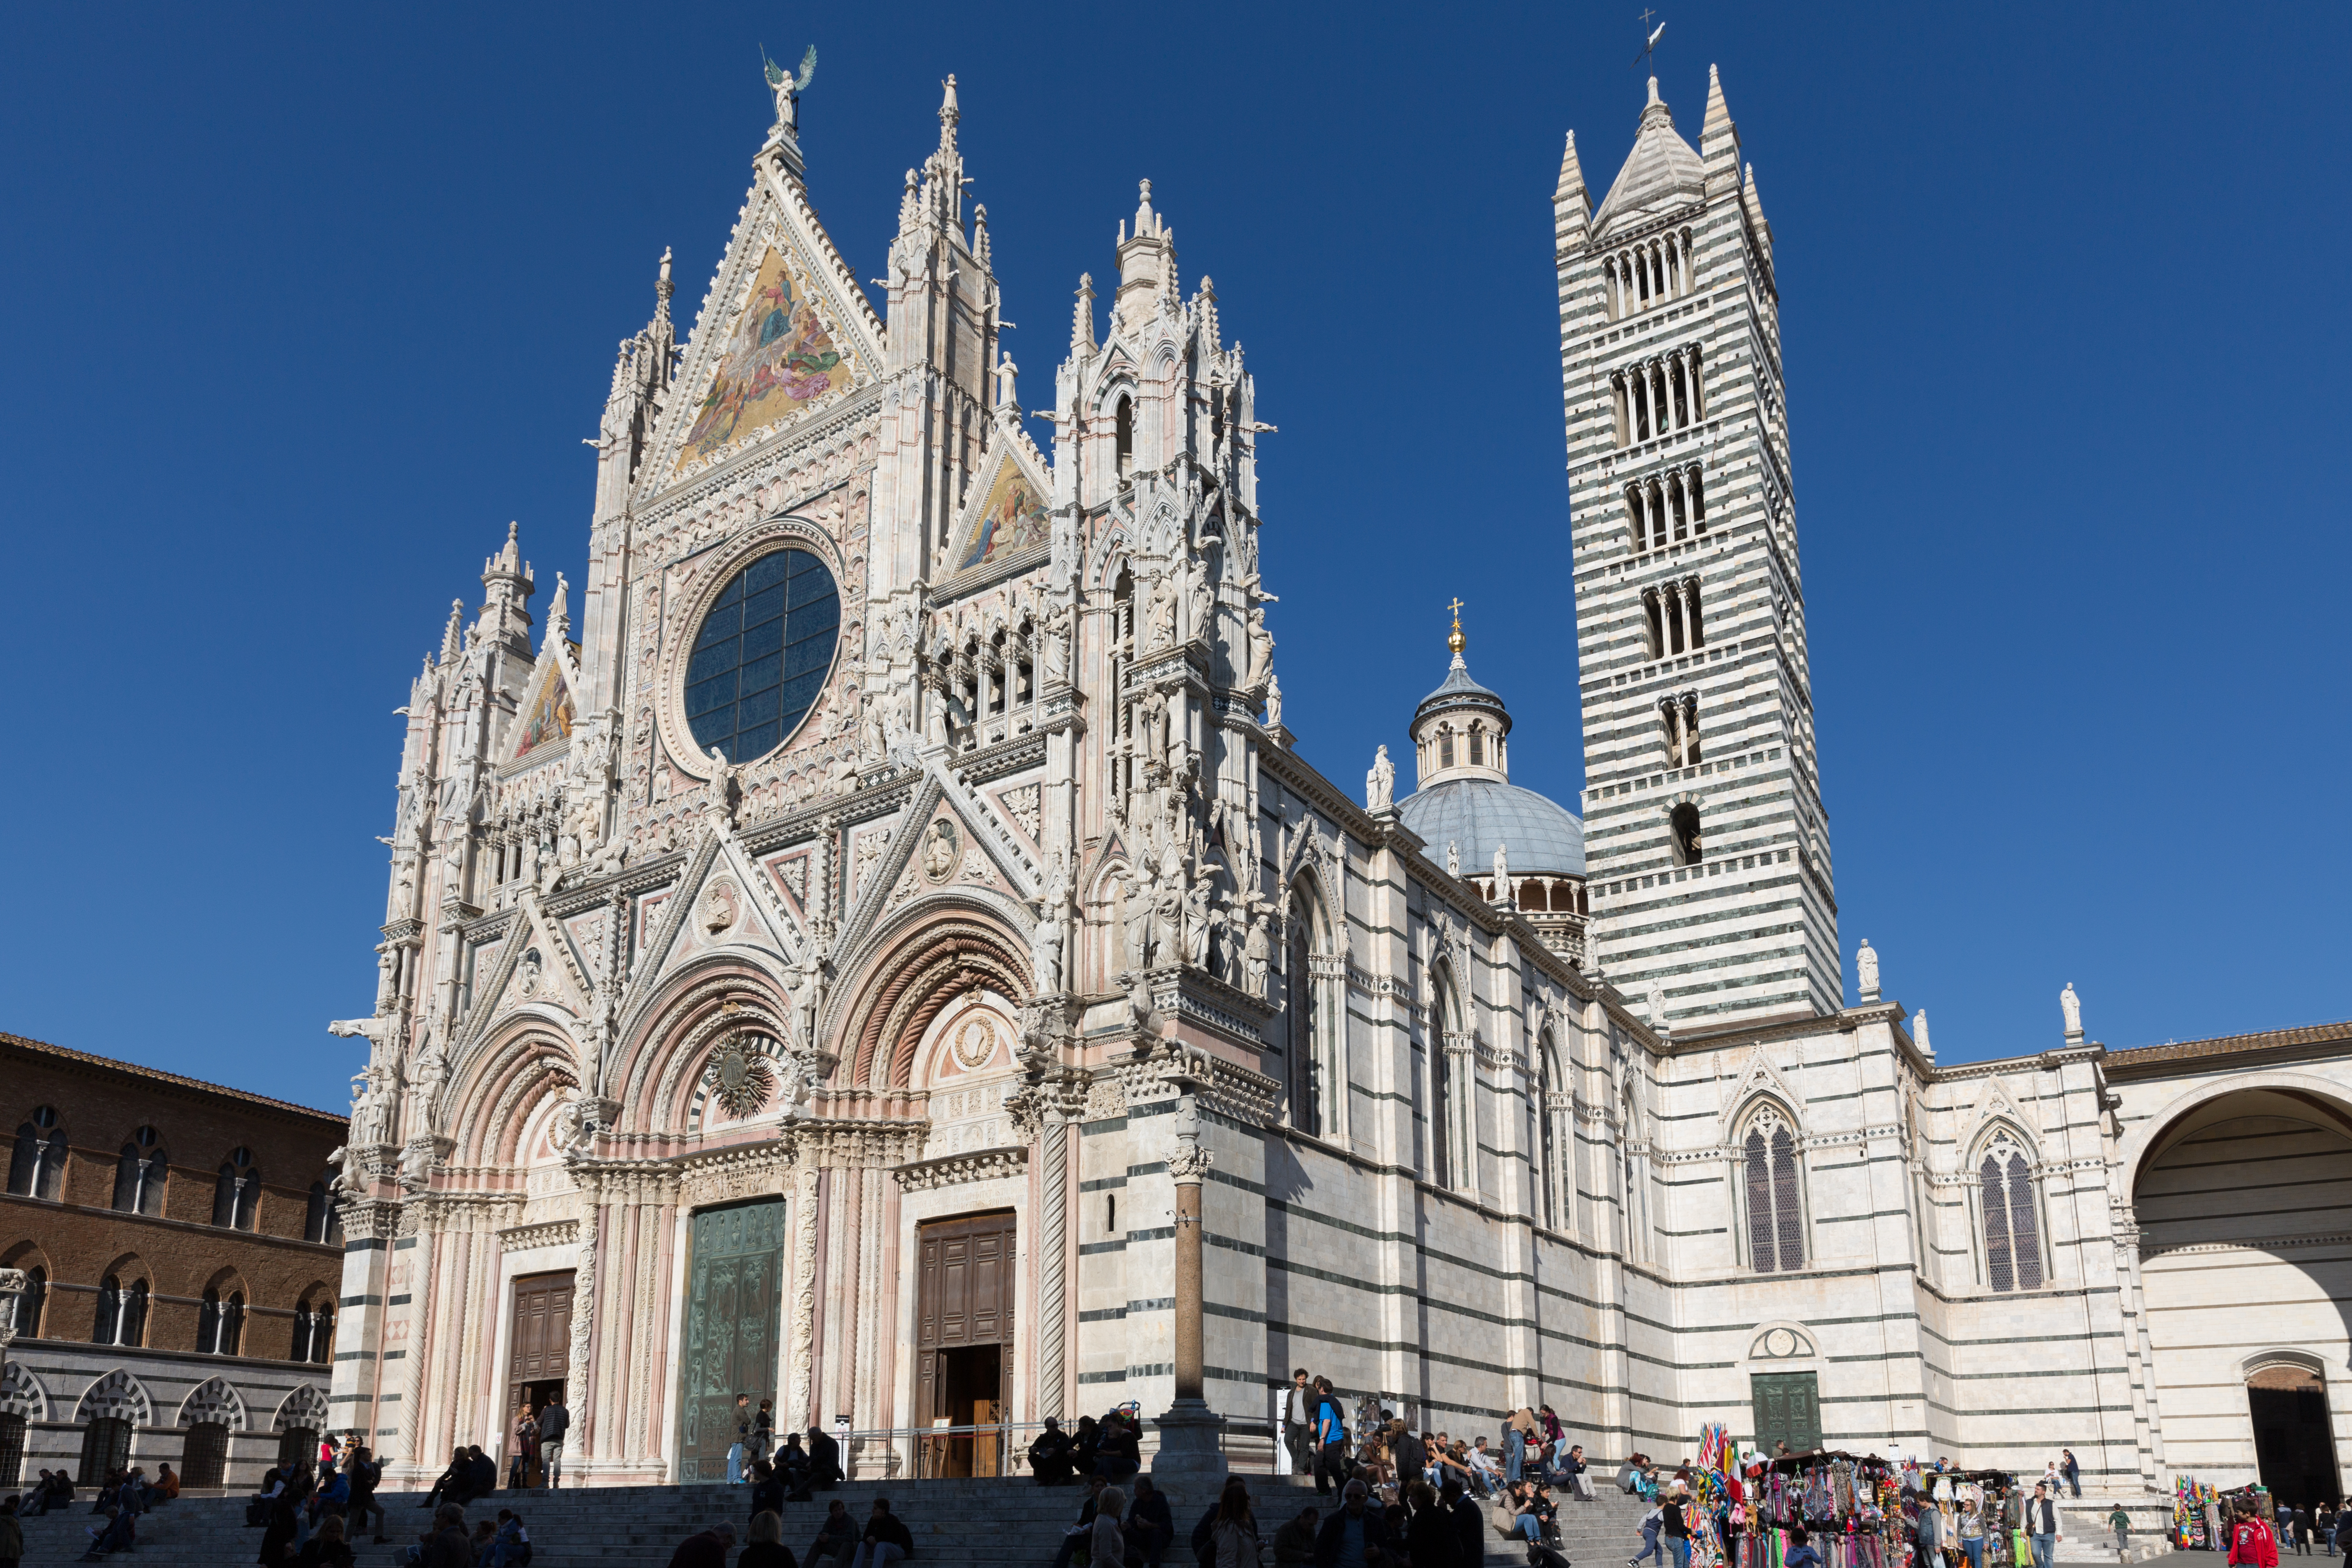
{"type": "Point", "coordinates": [1571, 204]}
{"type": "Point", "coordinates": [453, 636]}
{"type": "Point", "coordinates": [1082, 319]}
{"type": "Point", "coordinates": [1147, 265]}
{"type": "Point", "coordinates": [506, 588]}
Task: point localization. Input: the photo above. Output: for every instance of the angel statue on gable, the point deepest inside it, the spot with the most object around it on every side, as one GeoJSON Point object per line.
{"type": "Point", "coordinates": [788, 88]}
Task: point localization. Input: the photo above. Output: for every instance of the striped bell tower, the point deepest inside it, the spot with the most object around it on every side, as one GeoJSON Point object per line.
{"type": "Point", "coordinates": [1705, 843]}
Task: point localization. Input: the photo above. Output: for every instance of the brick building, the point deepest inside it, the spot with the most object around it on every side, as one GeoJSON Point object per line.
{"type": "Point", "coordinates": [180, 1255]}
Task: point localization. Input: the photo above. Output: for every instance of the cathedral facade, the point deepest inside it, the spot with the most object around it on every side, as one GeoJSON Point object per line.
{"type": "Point", "coordinates": [841, 968]}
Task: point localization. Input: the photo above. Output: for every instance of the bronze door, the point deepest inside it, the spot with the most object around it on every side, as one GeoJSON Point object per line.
{"type": "Point", "coordinates": [963, 1332]}
{"type": "Point", "coordinates": [734, 1311]}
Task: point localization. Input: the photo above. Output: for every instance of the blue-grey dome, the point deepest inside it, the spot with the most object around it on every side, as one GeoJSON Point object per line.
{"type": "Point", "coordinates": [1541, 837]}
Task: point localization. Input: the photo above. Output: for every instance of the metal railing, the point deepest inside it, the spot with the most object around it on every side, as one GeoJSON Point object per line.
{"type": "Point", "coordinates": [929, 1452]}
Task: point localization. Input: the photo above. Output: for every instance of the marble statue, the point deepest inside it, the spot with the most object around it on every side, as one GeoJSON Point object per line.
{"type": "Point", "coordinates": [1379, 784]}
{"type": "Point", "coordinates": [1865, 970]}
{"type": "Point", "coordinates": [2071, 1006]}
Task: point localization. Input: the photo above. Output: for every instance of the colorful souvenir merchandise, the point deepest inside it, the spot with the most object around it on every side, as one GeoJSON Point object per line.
{"type": "Point", "coordinates": [2192, 1509]}
{"type": "Point", "coordinates": [1858, 1510]}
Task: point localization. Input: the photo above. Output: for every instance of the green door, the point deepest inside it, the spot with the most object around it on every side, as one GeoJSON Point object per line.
{"type": "Point", "coordinates": [734, 1310]}
{"type": "Point", "coordinates": [1788, 1409]}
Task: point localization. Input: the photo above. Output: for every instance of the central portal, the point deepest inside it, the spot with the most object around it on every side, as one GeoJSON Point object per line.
{"type": "Point", "coordinates": [734, 1310]}
{"type": "Point", "coordinates": [964, 1339]}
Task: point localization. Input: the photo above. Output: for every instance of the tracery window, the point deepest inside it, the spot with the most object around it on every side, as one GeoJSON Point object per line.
{"type": "Point", "coordinates": [320, 1222]}
{"type": "Point", "coordinates": [237, 1194]}
{"type": "Point", "coordinates": [1549, 1130]}
{"type": "Point", "coordinates": [121, 1314]}
{"type": "Point", "coordinates": [2012, 1229]}
{"type": "Point", "coordinates": [1775, 1224]}
{"type": "Point", "coordinates": [140, 1173]}
{"type": "Point", "coordinates": [762, 654]}
{"type": "Point", "coordinates": [220, 1324]}
{"type": "Point", "coordinates": [1310, 1077]}
{"type": "Point", "coordinates": [38, 1167]}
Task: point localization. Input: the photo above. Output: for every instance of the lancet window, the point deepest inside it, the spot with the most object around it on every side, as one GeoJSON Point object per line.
{"type": "Point", "coordinates": [1668, 508]}
{"type": "Point", "coordinates": [140, 1174]}
{"type": "Point", "coordinates": [38, 1167]}
{"type": "Point", "coordinates": [1672, 623]}
{"type": "Point", "coordinates": [1655, 397]}
{"type": "Point", "coordinates": [1775, 1224]}
{"type": "Point", "coordinates": [236, 1193]}
{"type": "Point", "coordinates": [1650, 273]}
{"type": "Point", "coordinates": [1678, 716]}
{"type": "Point", "coordinates": [2012, 1229]}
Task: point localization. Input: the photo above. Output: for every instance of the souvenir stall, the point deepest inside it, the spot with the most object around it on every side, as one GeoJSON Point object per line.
{"type": "Point", "coordinates": [1858, 1510]}
{"type": "Point", "coordinates": [2192, 1514]}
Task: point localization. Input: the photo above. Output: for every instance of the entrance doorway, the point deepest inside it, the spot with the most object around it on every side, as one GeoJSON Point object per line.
{"type": "Point", "coordinates": [539, 1352]}
{"type": "Point", "coordinates": [963, 1338]}
{"type": "Point", "coordinates": [1788, 1409]}
{"type": "Point", "coordinates": [734, 1314]}
{"type": "Point", "coordinates": [2295, 1440]}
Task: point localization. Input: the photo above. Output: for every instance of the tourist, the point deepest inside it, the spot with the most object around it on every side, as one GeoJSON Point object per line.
{"type": "Point", "coordinates": [1651, 1523]}
{"type": "Point", "coordinates": [481, 1475]}
{"type": "Point", "coordinates": [766, 1548]}
{"type": "Point", "coordinates": [2042, 1525]}
{"type": "Point", "coordinates": [12, 1534]}
{"type": "Point", "coordinates": [1673, 1525]}
{"type": "Point", "coordinates": [1330, 1440]}
{"type": "Point", "coordinates": [167, 1485]}
{"type": "Point", "coordinates": [510, 1546]}
{"type": "Point", "coordinates": [2302, 1530]}
{"type": "Point", "coordinates": [837, 1535]}
{"type": "Point", "coordinates": [1081, 1531]}
{"type": "Point", "coordinates": [824, 1460]}
{"type": "Point", "coordinates": [327, 1549]}
{"type": "Point", "coordinates": [524, 1432]}
{"type": "Point", "coordinates": [1572, 1473]}
{"type": "Point", "coordinates": [1298, 1423]}
{"type": "Point", "coordinates": [1928, 1537]}
{"type": "Point", "coordinates": [1232, 1537]}
{"type": "Point", "coordinates": [1049, 1455]}
{"type": "Point", "coordinates": [2071, 1469]}
{"type": "Point", "coordinates": [2120, 1523]}
{"type": "Point", "coordinates": [742, 1439]}
{"type": "Point", "coordinates": [884, 1539]}
{"type": "Point", "coordinates": [1294, 1543]}
{"type": "Point", "coordinates": [119, 1534]}
{"type": "Point", "coordinates": [1120, 1455]}
{"type": "Point", "coordinates": [1409, 1454]}
{"type": "Point", "coordinates": [363, 1476]}
{"type": "Point", "coordinates": [2252, 1542]}
{"type": "Point", "coordinates": [1800, 1554]}
{"type": "Point", "coordinates": [444, 1545]}
{"type": "Point", "coordinates": [2344, 1530]}
{"type": "Point", "coordinates": [1555, 1435]}
{"type": "Point", "coordinates": [1086, 1441]}
{"type": "Point", "coordinates": [1430, 1540]}
{"type": "Point", "coordinates": [1149, 1525]}
{"type": "Point", "coordinates": [2325, 1528]}
{"type": "Point", "coordinates": [554, 1421]}
{"type": "Point", "coordinates": [705, 1548]}
{"type": "Point", "coordinates": [793, 1466]}
{"type": "Point", "coordinates": [764, 1429]}
{"type": "Point", "coordinates": [767, 1489]}
{"type": "Point", "coordinates": [1106, 1544]}
{"type": "Point", "coordinates": [1483, 1466]}
{"type": "Point", "coordinates": [1353, 1535]}
{"type": "Point", "coordinates": [1514, 1445]}
{"type": "Point", "coordinates": [1971, 1525]}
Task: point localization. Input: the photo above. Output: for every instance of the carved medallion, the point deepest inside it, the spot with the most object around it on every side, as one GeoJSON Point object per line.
{"type": "Point", "coordinates": [976, 1041]}
{"type": "Point", "coordinates": [942, 850]}
{"type": "Point", "coordinates": [720, 905]}
{"type": "Point", "coordinates": [739, 1077]}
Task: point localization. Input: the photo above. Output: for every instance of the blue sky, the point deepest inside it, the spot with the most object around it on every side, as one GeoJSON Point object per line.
{"type": "Point", "coordinates": [310, 302]}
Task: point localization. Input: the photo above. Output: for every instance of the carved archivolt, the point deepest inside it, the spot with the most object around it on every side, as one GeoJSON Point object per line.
{"type": "Point", "coordinates": [931, 965]}
{"type": "Point", "coordinates": [214, 1400]}
{"type": "Point", "coordinates": [117, 1396]}
{"type": "Point", "coordinates": [306, 1408]}
{"type": "Point", "coordinates": [21, 1394]}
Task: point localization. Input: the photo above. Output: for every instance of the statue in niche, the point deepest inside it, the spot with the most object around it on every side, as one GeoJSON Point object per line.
{"type": "Point", "coordinates": [1257, 950]}
{"type": "Point", "coordinates": [1160, 614]}
{"type": "Point", "coordinates": [1272, 703]}
{"type": "Point", "coordinates": [1197, 923]}
{"type": "Point", "coordinates": [942, 852]}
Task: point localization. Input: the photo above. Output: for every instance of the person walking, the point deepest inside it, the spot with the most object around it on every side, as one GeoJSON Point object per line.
{"type": "Point", "coordinates": [1675, 1527]}
{"type": "Point", "coordinates": [763, 1430]}
{"type": "Point", "coordinates": [2070, 1468]}
{"type": "Point", "coordinates": [1651, 1522]}
{"type": "Point", "coordinates": [1927, 1538]}
{"type": "Point", "coordinates": [2120, 1523]}
{"type": "Point", "coordinates": [2042, 1525]}
{"type": "Point", "coordinates": [2252, 1543]}
{"type": "Point", "coordinates": [1298, 1421]}
{"type": "Point", "coordinates": [2303, 1531]}
{"type": "Point", "coordinates": [1330, 1439]}
{"type": "Point", "coordinates": [554, 1421]}
{"type": "Point", "coordinates": [742, 1439]}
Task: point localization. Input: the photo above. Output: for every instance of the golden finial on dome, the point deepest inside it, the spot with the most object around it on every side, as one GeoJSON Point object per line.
{"type": "Point", "coordinates": [1458, 641]}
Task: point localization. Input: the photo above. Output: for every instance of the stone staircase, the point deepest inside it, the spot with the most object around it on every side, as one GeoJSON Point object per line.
{"type": "Point", "coordinates": [1010, 1522]}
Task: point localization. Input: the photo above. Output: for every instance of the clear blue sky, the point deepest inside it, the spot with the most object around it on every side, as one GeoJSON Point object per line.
{"type": "Point", "coordinates": [307, 302]}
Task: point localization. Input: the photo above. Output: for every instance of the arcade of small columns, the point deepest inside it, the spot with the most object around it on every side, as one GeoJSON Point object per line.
{"type": "Point", "coordinates": [1680, 712]}
{"type": "Point", "coordinates": [1673, 621]}
{"type": "Point", "coordinates": [1658, 396]}
{"type": "Point", "coordinates": [1667, 506]}
{"type": "Point", "coordinates": [1648, 273]}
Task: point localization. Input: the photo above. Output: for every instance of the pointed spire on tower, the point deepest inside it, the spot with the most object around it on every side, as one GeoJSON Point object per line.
{"type": "Point", "coordinates": [1571, 206]}
{"type": "Point", "coordinates": [453, 636]}
{"type": "Point", "coordinates": [980, 234]}
{"type": "Point", "coordinates": [950, 115]}
{"type": "Point", "coordinates": [507, 584]}
{"type": "Point", "coordinates": [1204, 309]}
{"type": "Point", "coordinates": [1082, 319]}
{"type": "Point", "coordinates": [1718, 140]}
{"type": "Point", "coordinates": [1756, 208]}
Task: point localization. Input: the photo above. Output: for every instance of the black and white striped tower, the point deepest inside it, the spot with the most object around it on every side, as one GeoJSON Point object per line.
{"type": "Point", "coordinates": [1705, 843]}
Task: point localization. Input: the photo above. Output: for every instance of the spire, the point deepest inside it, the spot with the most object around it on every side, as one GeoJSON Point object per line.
{"type": "Point", "coordinates": [1571, 207]}
{"type": "Point", "coordinates": [980, 234]}
{"type": "Point", "coordinates": [911, 208]}
{"type": "Point", "coordinates": [1756, 210]}
{"type": "Point", "coordinates": [1204, 308]}
{"type": "Point", "coordinates": [1458, 642]}
{"type": "Point", "coordinates": [507, 584]}
{"type": "Point", "coordinates": [1082, 319]}
{"type": "Point", "coordinates": [950, 115]}
{"type": "Point", "coordinates": [1718, 140]}
{"type": "Point", "coordinates": [453, 636]}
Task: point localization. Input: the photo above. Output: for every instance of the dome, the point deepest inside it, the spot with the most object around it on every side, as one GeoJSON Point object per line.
{"type": "Point", "coordinates": [1540, 837]}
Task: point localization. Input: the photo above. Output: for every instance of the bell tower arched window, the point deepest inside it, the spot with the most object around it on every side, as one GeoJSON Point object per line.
{"type": "Point", "coordinates": [1775, 1224]}
{"type": "Point", "coordinates": [2012, 1229]}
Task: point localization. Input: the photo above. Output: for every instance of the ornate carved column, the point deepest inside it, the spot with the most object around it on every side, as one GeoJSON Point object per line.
{"type": "Point", "coordinates": [581, 1395]}
{"type": "Point", "coordinates": [801, 1328]}
{"type": "Point", "coordinates": [1188, 1431]}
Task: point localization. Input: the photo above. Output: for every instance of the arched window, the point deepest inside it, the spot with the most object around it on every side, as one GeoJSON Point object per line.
{"type": "Point", "coordinates": [121, 1314]}
{"type": "Point", "coordinates": [29, 1302]}
{"type": "Point", "coordinates": [1633, 1214]}
{"type": "Point", "coordinates": [2012, 1229]}
{"type": "Point", "coordinates": [1477, 745]}
{"type": "Point", "coordinates": [1123, 426]}
{"type": "Point", "coordinates": [236, 1196]}
{"type": "Point", "coordinates": [209, 1313]}
{"type": "Point", "coordinates": [314, 1331]}
{"type": "Point", "coordinates": [1547, 1130]}
{"type": "Point", "coordinates": [1688, 848]}
{"type": "Point", "coordinates": [1451, 1150]}
{"type": "Point", "coordinates": [38, 1168]}
{"type": "Point", "coordinates": [321, 1223]}
{"type": "Point", "coordinates": [1309, 1078]}
{"type": "Point", "coordinates": [140, 1173]}
{"type": "Point", "coordinates": [1446, 747]}
{"type": "Point", "coordinates": [1776, 1225]}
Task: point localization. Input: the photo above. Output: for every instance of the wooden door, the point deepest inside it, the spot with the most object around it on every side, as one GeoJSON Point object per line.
{"type": "Point", "coordinates": [734, 1316]}
{"type": "Point", "coordinates": [1788, 1408]}
{"type": "Point", "coordinates": [963, 1301]}
{"type": "Point", "coordinates": [540, 1344]}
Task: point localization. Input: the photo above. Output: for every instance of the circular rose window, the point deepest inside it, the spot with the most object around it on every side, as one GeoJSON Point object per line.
{"type": "Point", "coordinates": [760, 656]}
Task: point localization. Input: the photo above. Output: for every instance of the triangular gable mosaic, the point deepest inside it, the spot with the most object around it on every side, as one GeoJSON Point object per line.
{"type": "Point", "coordinates": [547, 712]}
{"type": "Point", "coordinates": [782, 333]}
{"type": "Point", "coordinates": [1007, 515]}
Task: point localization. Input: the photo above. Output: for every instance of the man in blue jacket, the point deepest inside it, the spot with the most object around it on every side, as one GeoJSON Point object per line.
{"type": "Point", "coordinates": [1330, 1439]}
{"type": "Point", "coordinates": [1351, 1535]}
